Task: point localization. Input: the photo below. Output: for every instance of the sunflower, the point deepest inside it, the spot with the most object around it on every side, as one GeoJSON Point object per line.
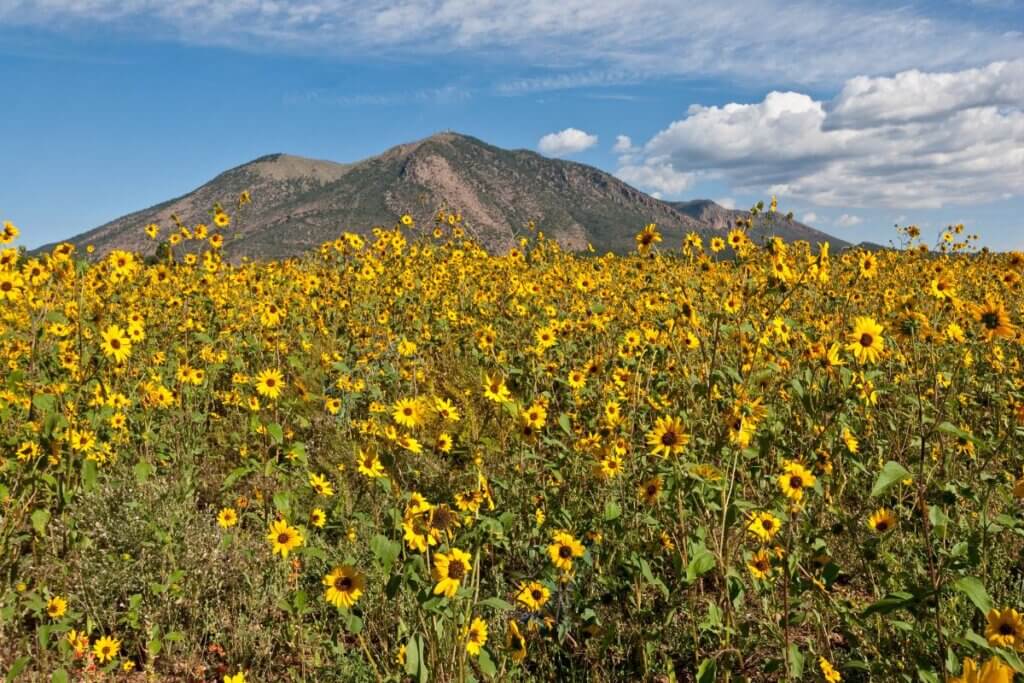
{"type": "Point", "coordinates": [994, 320]}
{"type": "Point", "coordinates": [237, 678]}
{"type": "Point", "coordinates": [227, 518]}
{"type": "Point", "coordinates": [56, 607]}
{"type": "Point", "coordinates": [476, 636]}
{"type": "Point", "coordinates": [106, 648]}
{"type": "Point", "coordinates": [116, 344]}
{"type": "Point", "coordinates": [408, 413]}
{"type": "Point", "coordinates": [563, 548]}
{"type": "Point", "coordinates": [369, 464]}
{"type": "Point", "coordinates": [1005, 628]}
{"type": "Point", "coordinates": [318, 518]}
{"type": "Point", "coordinates": [866, 341]}
{"type": "Point", "coordinates": [868, 266]}
{"type": "Point", "coordinates": [495, 389]}
{"type": "Point", "coordinates": [283, 538]}
{"type": "Point", "coordinates": [533, 595]}
{"type": "Point", "coordinates": [992, 671]}
{"type": "Point", "coordinates": [344, 586]}
{"type": "Point", "coordinates": [11, 285]}
{"type": "Point", "coordinates": [269, 383]}
{"type": "Point", "coordinates": [881, 521]}
{"type": "Point", "coordinates": [321, 485]}
{"type": "Point", "coordinates": [794, 479]}
{"type": "Point", "coordinates": [667, 437]}
{"type": "Point", "coordinates": [650, 491]}
{"type": "Point", "coordinates": [829, 671]}
{"type": "Point", "coordinates": [764, 525]}
{"type": "Point", "coordinates": [647, 238]}
{"type": "Point", "coordinates": [450, 570]}
{"type": "Point", "coordinates": [515, 642]}
{"type": "Point", "coordinates": [760, 564]}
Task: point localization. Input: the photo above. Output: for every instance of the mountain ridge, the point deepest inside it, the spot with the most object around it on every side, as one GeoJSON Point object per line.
{"type": "Point", "coordinates": [302, 202]}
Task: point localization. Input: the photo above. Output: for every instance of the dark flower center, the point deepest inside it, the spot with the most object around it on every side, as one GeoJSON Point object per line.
{"type": "Point", "coordinates": [564, 552]}
{"type": "Point", "coordinates": [343, 583]}
{"type": "Point", "coordinates": [283, 538]}
{"type": "Point", "coordinates": [456, 570]}
{"type": "Point", "coordinates": [669, 438]}
{"type": "Point", "coordinates": [990, 320]}
{"type": "Point", "coordinates": [866, 339]}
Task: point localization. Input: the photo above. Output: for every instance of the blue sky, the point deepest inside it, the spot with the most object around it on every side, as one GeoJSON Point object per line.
{"type": "Point", "coordinates": [857, 115]}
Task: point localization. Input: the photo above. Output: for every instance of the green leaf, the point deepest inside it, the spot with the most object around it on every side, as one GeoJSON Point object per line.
{"type": "Point", "coordinates": [796, 662]}
{"type": "Point", "coordinates": [19, 665]}
{"type": "Point", "coordinates": [706, 671]}
{"type": "Point", "coordinates": [44, 402]}
{"type": "Point", "coordinates": [275, 432]}
{"type": "Point", "coordinates": [142, 471]}
{"type": "Point", "coordinates": [612, 511]}
{"type": "Point", "coordinates": [40, 518]}
{"type": "Point", "coordinates": [385, 550]}
{"type": "Point", "coordinates": [974, 589]}
{"type": "Point", "coordinates": [487, 666]}
{"type": "Point", "coordinates": [701, 564]}
{"type": "Point", "coordinates": [892, 472]}
{"type": "Point", "coordinates": [59, 676]}
{"type": "Point", "coordinates": [498, 604]}
{"type": "Point", "coordinates": [890, 603]}
{"type": "Point", "coordinates": [565, 424]}
{"type": "Point", "coordinates": [89, 474]}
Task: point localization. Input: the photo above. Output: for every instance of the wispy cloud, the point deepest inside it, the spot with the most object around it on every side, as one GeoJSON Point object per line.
{"type": "Point", "coordinates": [443, 95]}
{"type": "Point", "coordinates": [611, 41]}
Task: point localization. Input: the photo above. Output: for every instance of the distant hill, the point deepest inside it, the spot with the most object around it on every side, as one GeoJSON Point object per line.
{"type": "Point", "coordinates": [299, 203]}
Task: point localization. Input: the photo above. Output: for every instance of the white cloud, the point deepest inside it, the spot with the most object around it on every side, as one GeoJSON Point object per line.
{"type": "Point", "coordinates": [726, 202]}
{"type": "Point", "coordinates": [623, 144]}
{"type": "Point", "coordinates": [809, 217]}
{"type": "Point", "coordinates": [610, 41]}
{"type": "Point", "coordinates": [655, 175]}
{"type": "Point", "coordinates": [959, 141]}
{"type": "Point", "coordinates": [848, 220]}
{"type": "Point", "coordinates": [566, 142]}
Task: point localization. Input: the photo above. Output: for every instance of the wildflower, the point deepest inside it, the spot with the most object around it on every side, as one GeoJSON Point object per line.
{"type": "Point", "coordinates": [533, 595]}
{"type": "Point", "coordinates": [237, 678]}
{"type": "Point", "coordinates": [563, 549]}
{"type": "Point", "coordinates": [476, 636]}
{"type": "Point", "coordinates": [317, 518]}
{"type": "Point", "coordinates": [760, 564]}
{"type": "Point", "coordinates": [764, 525]}
{"type": "Point", "coordinates": [227, 518]}
{"type": "Point", "coordinates": [284, 538]}
{"type": "Point", "coordinates": [515, 642]}
{"type": "Point", "coordinates": [1005, 628]}
{"type": "Point", "coordinates": [449, 571]}
{"type": "Point", "coordinates": [56, 607]}
{"type": "Point", "coordinates": [794, 479]}
{"type": "Point", "coordinates": [116, 344]}
{"type": "Point", "coordinates": [321, 485]}
{"type": "Point", "coordinates": [269, 383]}
{"type": "Point", "coordinates": [106, 648]}
{"type": "Point", "coordinates": [992, 671]}
{"type": "Point", "coordinates": [829, 671]}
{"type": "Point", "coordinates": [866, 341]}
{"type": "Point", "coordinates": [994, 320]}
{"type": "Point", "coordinates": [650, 490]}
{"type": "Point", "coordinates": [881, 521]}
{"type": "Point", "coordinates": [344, 586]}
{"type": "Point", "coordinates": [667, 437]}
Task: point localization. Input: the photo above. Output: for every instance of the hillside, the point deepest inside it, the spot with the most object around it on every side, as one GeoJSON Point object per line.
{"type": "Point", "coordinates": [299, 203]}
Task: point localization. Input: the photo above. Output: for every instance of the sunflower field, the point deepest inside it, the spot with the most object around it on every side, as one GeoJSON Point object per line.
{"type": "Point", "coordinates": [401, 458]}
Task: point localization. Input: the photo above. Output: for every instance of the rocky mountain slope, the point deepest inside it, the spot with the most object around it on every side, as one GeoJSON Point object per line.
{"type": "Point", "coordinates": [299, 203]}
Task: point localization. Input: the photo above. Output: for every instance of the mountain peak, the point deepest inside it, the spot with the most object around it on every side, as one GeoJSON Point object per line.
{"type": "Point", "coordinates": [299, 203]}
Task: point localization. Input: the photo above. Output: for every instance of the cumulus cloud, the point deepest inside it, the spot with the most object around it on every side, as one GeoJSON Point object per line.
{"type": "Point", "coordinates": [959, 140]}
{"type": "Point", "coordinates": [659, 176]}
{"type": "Point", "coordinates": [623, 144]}
{"type": "Point", "coordinates": [726, 202]}
{"type": "Point", "coordinates": [809, 217]}
{"type": "Point", "coordinates": [611, 41]}
{"type": "Point", "coordinates": [566, 142]}
{"type": "Point", "coordinates": [848, 220]}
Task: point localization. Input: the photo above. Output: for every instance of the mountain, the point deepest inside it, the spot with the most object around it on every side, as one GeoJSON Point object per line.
{"type": "Point", "coordinates": [718, 218]}
{"type": "Point", "coordinates": [300, 203]}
